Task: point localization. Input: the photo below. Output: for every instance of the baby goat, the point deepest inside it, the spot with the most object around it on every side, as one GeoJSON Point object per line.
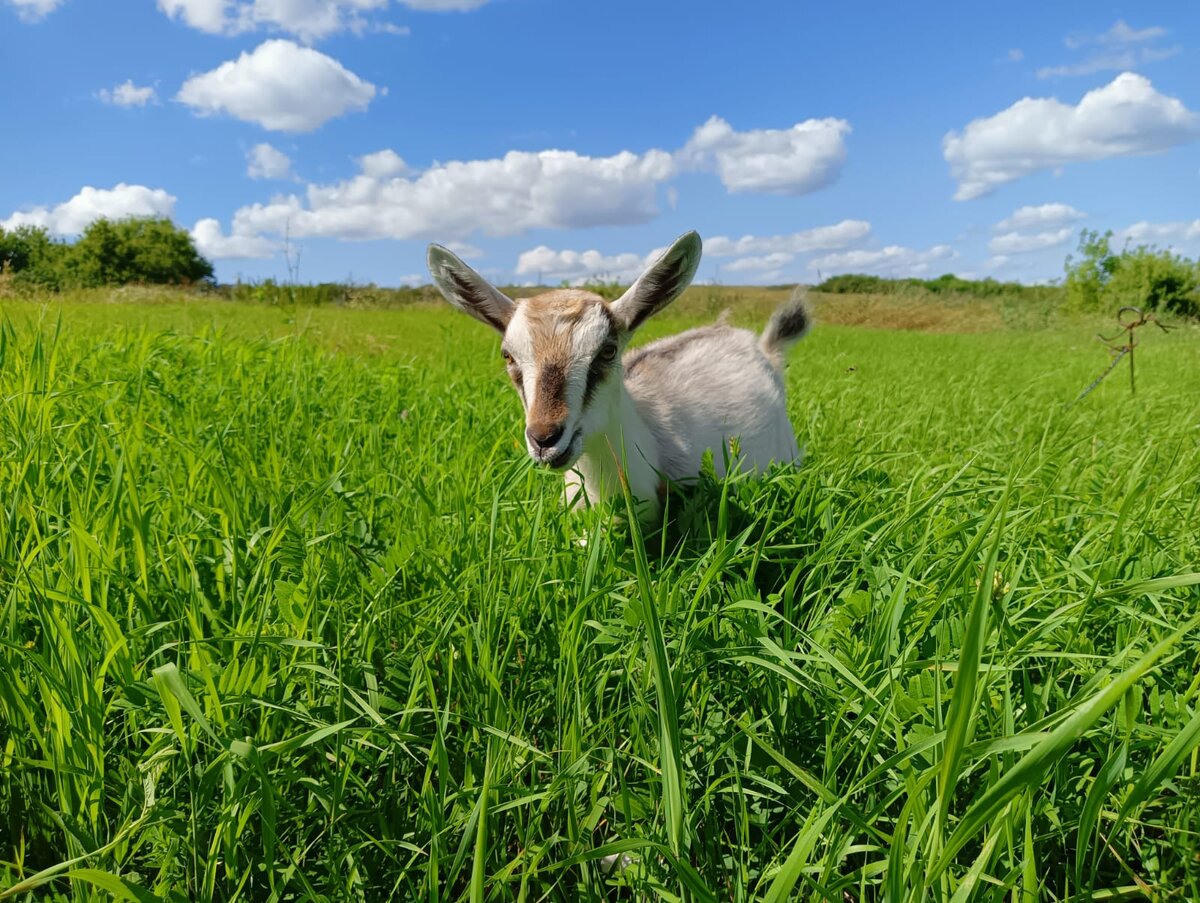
{"type": "Point", "coordinates": [652, 413]}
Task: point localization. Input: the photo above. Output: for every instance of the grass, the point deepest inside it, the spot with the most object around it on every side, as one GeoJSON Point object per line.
{"type": "Point", "coordinates": [288, 615]}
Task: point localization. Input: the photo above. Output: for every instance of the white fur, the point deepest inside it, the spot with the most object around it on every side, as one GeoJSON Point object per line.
{"type": "Point", "coordinates": [704, 389]}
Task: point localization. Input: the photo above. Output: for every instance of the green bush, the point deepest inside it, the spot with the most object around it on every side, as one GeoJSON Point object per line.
{"type": "Point", "coordinates": [858, 284]}
{"type": "Point", "coordinates": [946, 284]}
{"type": "Point", "coordinates": [109, 252]}
{"type": "Point", "coordinates": [31, 257]}
{"type": "Point", "coordinates": [1146, 277]}
{"type": "Point", "coordinates": [152, 251]}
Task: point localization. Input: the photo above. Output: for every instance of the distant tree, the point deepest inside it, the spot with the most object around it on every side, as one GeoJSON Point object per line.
{"type": "Point", "coordinates": [139, 250]}
{"type": "Point", "coordinates": [1144, 276]}
{"type": "Point", "coordinates": [30, 256]}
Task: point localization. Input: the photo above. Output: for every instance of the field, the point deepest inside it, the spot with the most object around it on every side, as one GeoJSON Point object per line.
{"type": "Point", "coordinates": [288, 615]}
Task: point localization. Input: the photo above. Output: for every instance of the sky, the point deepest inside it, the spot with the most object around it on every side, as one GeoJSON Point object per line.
{"type": "Point", "coordinates": [551, 141]}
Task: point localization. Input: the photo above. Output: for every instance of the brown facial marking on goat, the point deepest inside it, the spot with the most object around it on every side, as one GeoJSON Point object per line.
{"type": "Point", "coordinates": [550, 319]}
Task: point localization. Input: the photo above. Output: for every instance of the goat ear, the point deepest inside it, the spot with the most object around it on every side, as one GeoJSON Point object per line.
{"type": "Point", "coordinates": [467, 290]}
{"type": "Point", "coordinates": [662, 283]}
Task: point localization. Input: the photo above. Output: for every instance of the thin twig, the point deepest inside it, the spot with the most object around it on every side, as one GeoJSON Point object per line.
{"type": "Point", "coordinates": [1119, 351]}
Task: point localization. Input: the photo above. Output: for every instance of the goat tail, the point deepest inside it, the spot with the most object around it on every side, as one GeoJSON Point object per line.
{"type": "Point", "coordinates": [788, 325]}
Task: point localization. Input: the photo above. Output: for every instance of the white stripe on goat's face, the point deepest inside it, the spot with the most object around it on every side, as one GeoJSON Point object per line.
{"type": "Point", "coordinates": [561, 347]}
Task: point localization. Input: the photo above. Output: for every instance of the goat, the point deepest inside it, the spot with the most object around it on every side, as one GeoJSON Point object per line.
{"type": "Point", "coordinates": [596, 413]}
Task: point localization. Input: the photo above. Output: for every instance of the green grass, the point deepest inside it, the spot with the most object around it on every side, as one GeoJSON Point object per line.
{"type": "Point", "coordinates": [288, 615]}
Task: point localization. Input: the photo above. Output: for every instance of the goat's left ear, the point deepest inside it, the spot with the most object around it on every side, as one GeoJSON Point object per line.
{"type": "Point", "coordinates": [467, 290]}
{"type": "Point", "coordinates": [661, 284]}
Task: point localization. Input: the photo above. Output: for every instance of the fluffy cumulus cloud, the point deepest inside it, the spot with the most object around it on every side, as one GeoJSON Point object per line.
{"type": "Point", "coordinates": [545, 264]}
{"type": "Point", "coordinates": [308, 20]}
{"type": "Point", "coordinates": [1031, 228]}
{"type": "Point", "coordinates": [1041, 215]}
{"type": "Point", "coordinates": [266, 162]}
{"type": "Point", "coordinates": [1125, 118]}
{"type": "Point", "coordinates": [794, 161]}
{"type": "Point", "coordinates": [504, 196]}
{"type": "Point", "coordinates": [765, 257]}
{"type": "Point", "coordinates": [1024, 242]}
{"type": "Point", "coordinates": [382, 164]}
{"type": "Point", "coordinates": [128, 94]}
{"type": "Point", "coordinates": [34, 10]}
{"type": "Point", "coordinates": [822, 238]}
{"type": "Point", "coordinates": [759, 257]}
{"type": "Point", "coordinates": [1144, 233]}
{"type": "Point", "coordinates": [215, 245]}
{"type": "Point", "coordinates": [893, 260]}
{"type": "Point", "coordinates": [205, 15]}
{"type": "Point", "coordinates": [73, 216]}
{"type": "Point", "coordinates": [762, 264]}
{"type": "Point", "coordinates": [279, 85]}
{"type": "Point", "coordinates": [550, 189]}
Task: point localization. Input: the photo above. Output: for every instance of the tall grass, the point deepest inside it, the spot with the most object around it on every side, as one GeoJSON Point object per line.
{"type": "Point", "coordinates": [287, 622]}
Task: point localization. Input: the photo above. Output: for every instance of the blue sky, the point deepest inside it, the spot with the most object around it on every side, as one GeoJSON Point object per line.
{"type": "Point", "coordinates": [555, 140]}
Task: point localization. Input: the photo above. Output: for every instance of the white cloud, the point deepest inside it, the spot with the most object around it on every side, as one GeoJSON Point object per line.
{"type": "Point", "coordinates": [128, 95]}
{"type": "Point", "coordinates": [382, 164]}
{"type": "Point", "coordinates": [1117, 50]}
{"type": "Point", "coordinates": [804, 158]}
{"type": "Point", "coordinates": [34, 10]}
{"type": "Point", "coordinates": [1031, 217]}
{"type": "Point", "coordinates": [266, 162]}
{"type": "Point", "coordinates": [767, 262]}
{"type": "Point", "coordinates": [1125, 118]}
{"type": "Point", "coordinates": [1111, 62]}
{"type": "Point", "coordinates": [211, 243]}
{"type": "Point", "coordinates": [505, 196]}
{"type": "Point", "coordinates": [999, 261]}
{"type": "Point", "coordinates": [521, 191]}
{"type": "Point", "coordinates": [1120, 33]}
{"type": "Point", "coordinates": [279, 85]}
{"type": "Point", "coordinates": [205, 15]}
{"type": "Point", "coordinates": [1153, 233]}
{"type": "Point", "coordinates": [548, 265]}
{"type": "Point", "coordinates": [822, 238]}
{"type": "Point", "coordinates": [893, 260]}
{"type": "Point", "coordinates": [444, 6]}
{"type": "Point", "coordinates": [1016, 55]}
{"type": "Point", "coordinates": [465, 250]}
{"type": "Point", "coordinates": [1021, 243]}
{"type": "Point", "coordinates": [73, 216]}
{"type": "Point", "coordinates": [308, 20]}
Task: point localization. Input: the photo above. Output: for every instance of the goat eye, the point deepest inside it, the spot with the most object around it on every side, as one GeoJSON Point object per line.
{"type": "Point", "coordinates": [608, 354]}
{"type": "Point", "coordinates": [508, 358]}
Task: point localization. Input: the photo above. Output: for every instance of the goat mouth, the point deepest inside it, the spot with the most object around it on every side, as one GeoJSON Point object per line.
{"type": "Point", "coordinates": [567, 456]}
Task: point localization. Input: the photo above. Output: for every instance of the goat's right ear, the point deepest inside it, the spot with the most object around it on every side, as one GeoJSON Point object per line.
{"type": "Point", "coordinates": [467, 290]}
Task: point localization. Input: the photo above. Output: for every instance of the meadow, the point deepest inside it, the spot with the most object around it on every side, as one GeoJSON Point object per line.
{"type": "Point", "coordinates": [288, 615]}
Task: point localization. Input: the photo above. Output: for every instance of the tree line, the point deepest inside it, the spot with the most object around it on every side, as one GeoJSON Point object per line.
{"type": "Point", "coordinates": [155, 251]}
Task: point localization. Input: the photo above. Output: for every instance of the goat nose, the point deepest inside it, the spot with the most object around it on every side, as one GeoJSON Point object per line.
{"type": "Point", "coordinates": [544, 435]}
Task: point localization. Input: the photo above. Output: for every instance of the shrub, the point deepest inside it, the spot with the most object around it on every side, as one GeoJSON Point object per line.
{"type": "Point", "coordinates": [31, 257]}
{"type": "Point", "coordinates": [154, 251]}
{"type": "Point", "coordinates": [946, 284]}
{"type": "Point", "coordinates": [1145, 277]}
{"type": "Point", "coordinates": [857, 284]}
{"type": "Point", "coordinates": [110, 252]}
